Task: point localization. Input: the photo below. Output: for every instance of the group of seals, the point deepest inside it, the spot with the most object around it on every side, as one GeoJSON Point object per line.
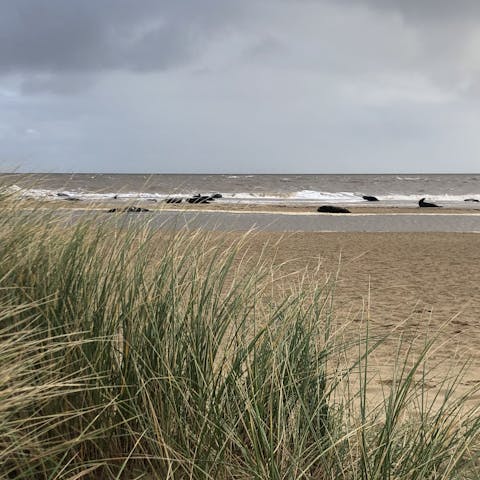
{"type": "Point", "coordinates": [204, 198]}
{"type": "Point", "coordinates": [197, 198]}
{"type": "Point", "coordinates": [334, 209]}
{"type": "Point", "coordinates": [130, 209]}
{"type": "Point", "coordinates": [209, 198]}
{"type": "Point", "coordinates": [200, 199]}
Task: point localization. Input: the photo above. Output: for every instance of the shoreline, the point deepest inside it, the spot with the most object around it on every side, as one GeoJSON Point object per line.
{"type": "Point", "coordinates": [217, 218]}
{"type": "Point", "coordinates": [228, 207]}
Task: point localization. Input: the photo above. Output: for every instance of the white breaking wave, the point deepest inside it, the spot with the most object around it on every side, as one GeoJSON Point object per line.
{"type": "Point", "coordinates": [302, 196]}
{"type": "Point", "coordinates": [327, 196]}
{"type": "Point", "coordinates": [435, 198]}
{"type": "Point", "coordinates": [40, 193]}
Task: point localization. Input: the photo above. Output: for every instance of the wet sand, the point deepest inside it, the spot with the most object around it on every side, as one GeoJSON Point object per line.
{"type": "Point", "coordinates": [288, 208]}
{"type": "Point", "coordinates": [219, 206]}
{"type": "Point", "coordinates": [313, 222]}
{"type": "Point", "coordinates": [220, 218]}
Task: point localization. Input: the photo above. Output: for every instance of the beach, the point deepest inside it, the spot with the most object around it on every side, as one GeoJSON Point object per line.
{"type": "Point", "coordinates": [413, 276]}
{"type": "Point", "coordinates": [156, 307]}
{"type": "Point", "coordinates": [407, 276]}
{"type": "Point", "coordinates": [409, 271]}
{"type": "Point", "coordinates": [407, 286]}
{"type": "Point", "coordinates": [404, 270]}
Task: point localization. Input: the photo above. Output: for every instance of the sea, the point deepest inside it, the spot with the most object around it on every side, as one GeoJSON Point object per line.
{"type": "Point", "coordinates": [285, 189]}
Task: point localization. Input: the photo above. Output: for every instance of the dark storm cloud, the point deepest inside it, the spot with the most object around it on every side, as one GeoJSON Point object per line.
{"type": "Point", "coordinates": [86, 35]}
{"type": "Point", "coordinates": [61, 37]}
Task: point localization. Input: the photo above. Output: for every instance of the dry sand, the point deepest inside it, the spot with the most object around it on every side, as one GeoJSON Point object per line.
{"type": "Point", "coordinates": [408, 285]}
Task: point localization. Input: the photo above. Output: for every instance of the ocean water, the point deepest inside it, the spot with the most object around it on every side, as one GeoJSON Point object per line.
{"type": "Point", "coordinates": [390, 189]}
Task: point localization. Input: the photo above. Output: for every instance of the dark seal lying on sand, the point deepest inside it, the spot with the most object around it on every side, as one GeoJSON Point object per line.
{"type": "Point", "coordinates": [370, 198]}
{"type": "Point", "coordinates": [332, 209]}
{"type": "Point", "coordinates": [471, 200]}
{"type": "Point", "coordinates": [423, 203]}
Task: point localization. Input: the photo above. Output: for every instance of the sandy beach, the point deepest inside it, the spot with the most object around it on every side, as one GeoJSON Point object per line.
{"type": "Point", "coordinates": [408, 285]}
{"type": "Point", "coordinates": [404, 289]}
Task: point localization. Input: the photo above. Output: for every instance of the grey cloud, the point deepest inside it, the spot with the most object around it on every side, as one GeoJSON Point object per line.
{"type": "Point", "coordinates": [438, 38]}
{"type": "Point", "coordinates": [43, 36]}
{"type": "Point", "coordinates": [265, 47]}
{"type": "Point", "coordinates": [272, 85]}
{"type": "Point", "coordinates": [424, 10]}
{"type": "Point", "coordinates": [55, 36]}
{"type": "Point", "coordinates": [64, 84]}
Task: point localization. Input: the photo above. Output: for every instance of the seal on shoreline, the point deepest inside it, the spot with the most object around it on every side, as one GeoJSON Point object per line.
{"type": "Point", "coordinates": [370, 198]}
{"type": "Point", "coordinates": [471, 200]}
{"type": "Point", "coordinates": [131, 209]}
{"type": "Point", "coordinates": [199, 199]}
{"type": "Point", "coordinates": [423, 203]}
{"type": "Point", "coordinates": [332, 209]}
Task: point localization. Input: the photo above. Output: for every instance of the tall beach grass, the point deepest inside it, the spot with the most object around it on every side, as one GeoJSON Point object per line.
{"type": "Point", "coordinates": [133, 352]}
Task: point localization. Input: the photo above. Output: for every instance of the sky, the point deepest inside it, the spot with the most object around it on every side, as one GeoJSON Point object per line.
{"type": "Point", "coordinates": [240, 86]}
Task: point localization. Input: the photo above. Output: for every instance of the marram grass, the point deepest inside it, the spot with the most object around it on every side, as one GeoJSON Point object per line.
{"type": "Point", "coordinates": [132, 353]}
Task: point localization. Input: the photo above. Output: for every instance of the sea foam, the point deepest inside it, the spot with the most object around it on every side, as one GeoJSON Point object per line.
{"type": "Point", "coordinates": [298, 197]}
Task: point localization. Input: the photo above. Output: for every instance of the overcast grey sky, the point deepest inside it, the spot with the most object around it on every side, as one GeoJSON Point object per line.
{"type": "Point", "coordinates": [308, 86]}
